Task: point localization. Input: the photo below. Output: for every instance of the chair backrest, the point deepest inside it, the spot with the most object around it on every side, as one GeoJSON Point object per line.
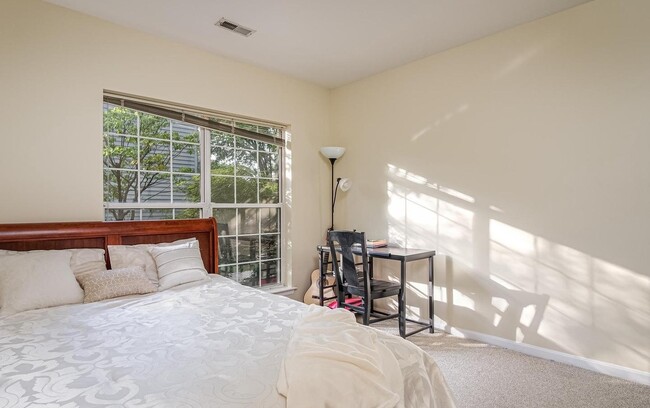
{"type": "Point", "coordinates": [343, 243]}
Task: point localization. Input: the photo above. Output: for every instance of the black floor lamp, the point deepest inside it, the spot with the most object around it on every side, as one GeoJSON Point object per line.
{"type": "Point", "coordinates": [334, 153]}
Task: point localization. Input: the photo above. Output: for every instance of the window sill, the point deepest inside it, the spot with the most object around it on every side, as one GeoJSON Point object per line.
{"type": "Point", "coordinates": [280, 290]}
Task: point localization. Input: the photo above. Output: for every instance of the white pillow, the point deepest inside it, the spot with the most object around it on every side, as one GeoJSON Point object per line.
{"type": "Point", "coordinates": [125, 256]}
{"type": "Point", "coordinates": [34, 280]}
{"type": "Point", "coordinates": [86, 260]}
{"type": "Point", "coordinates": [83, 260]}
{"type": "Point", "coordinates": [178, 264]}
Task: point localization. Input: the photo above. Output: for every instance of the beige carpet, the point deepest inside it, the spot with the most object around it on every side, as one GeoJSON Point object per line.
{"type": "Point", "coordinates": [482, 375]}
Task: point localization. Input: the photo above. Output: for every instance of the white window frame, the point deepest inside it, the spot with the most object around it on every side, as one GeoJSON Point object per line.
{"type": "Point", "coordinates": [206, 207]}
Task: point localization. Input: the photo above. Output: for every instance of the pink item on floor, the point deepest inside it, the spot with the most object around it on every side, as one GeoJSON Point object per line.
{"type": "Point", "coordinates": [356, 301]}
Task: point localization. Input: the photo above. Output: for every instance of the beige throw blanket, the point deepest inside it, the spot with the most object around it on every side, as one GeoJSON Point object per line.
{"type": "Point", "coordinates": [331, 361]}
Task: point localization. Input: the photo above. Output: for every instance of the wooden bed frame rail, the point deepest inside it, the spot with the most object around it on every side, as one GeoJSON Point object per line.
{"type": "Point", "coordinates": [98, 234]}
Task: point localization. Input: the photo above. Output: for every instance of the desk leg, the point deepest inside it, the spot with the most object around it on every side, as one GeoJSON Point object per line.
{"type": "Point", "coordinates": [323, 268]}
{"type": "Point", "coordinates": [431, 294]}
{"type": "Point", "coordinates": [370, 272]}
{"type": "Point", "coordinates": [402, 301]}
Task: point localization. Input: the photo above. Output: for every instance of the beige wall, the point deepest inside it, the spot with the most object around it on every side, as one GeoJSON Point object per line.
{"type": "Point", "coordinates": [54, 65]}
{"type": "Point", "coordinates": [523, 159]}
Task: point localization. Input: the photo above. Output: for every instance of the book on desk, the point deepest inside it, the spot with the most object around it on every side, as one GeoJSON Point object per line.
{"type": "Point", "coordinates": [374, 243]}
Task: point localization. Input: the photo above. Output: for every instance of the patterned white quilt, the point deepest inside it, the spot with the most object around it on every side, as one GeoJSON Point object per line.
{"type": "Point", "coordinates": [214, 344]}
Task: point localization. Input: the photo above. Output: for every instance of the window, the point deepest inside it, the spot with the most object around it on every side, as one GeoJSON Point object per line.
{"type": "Point", "coordinates": [161, 163]}
{"type": "Point", "coordinates": [152, 166]}
{"type": "Point", "coordinates": [245, 190]}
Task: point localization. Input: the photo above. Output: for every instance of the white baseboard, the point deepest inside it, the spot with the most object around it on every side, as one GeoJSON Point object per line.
{"type": "Point", "coordinates": [625, 373]}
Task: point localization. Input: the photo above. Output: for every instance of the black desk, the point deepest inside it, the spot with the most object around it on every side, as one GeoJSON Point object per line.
{"type": "Point", "coordinates": [403, 255]}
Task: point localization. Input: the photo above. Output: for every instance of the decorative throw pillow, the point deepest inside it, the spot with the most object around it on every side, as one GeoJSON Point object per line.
{"type": "Point", "coordinates": [82, 260]}
{"type": "Point", "coordinates": [115, 283]}
{"type": "Point", "coordinates": [35, 280]}
{"type": "Point", "coordinates": [85, 260]}
{"type": "Point", "coordinates": [124, 256]}
{"type": "Point", "coordinates": [178, 264]}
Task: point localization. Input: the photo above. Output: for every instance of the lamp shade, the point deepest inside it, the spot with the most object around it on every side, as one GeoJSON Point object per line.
{"type": "Point", "coordinates": [345, 184]}
{"type": "Point", "coordinates": [332, 152]}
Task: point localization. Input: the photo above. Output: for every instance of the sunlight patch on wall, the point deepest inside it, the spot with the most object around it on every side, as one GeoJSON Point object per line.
{"type": "Point", "coordinates": [396, 202]}
{"type": "Point", "coordinates": [460, 299]}
{"type": "Point", "coordinates": [397, 173]}
{"type": "Point", "coordinates": [417, 288]}
{"type": "Point", "coordinates": [527, 315]}
{"type": "Point", "coordinates": [518, 61]}
{"type": "Point", "coordinates": [496, 209]}
{"type": "Point", "coordinates": [630, 290]}
{"type": "Point", "coordinates": [588, 294]}
{"type": "Point", "coordinates": [519, 335]}
{"type": "Point", "coordinates": [419, 217]}
{"type": "Point", "coordinates": [500, 304]}
{"type": "Point", "coordinates": [502, 282]}
{"type": "Point", "coordinates": [440, 120]}
{"type": "Point", "coordinates": [514, 239]}
{"type": "Point", "coordinates": [562, 258]}
{"type": "Point", "coordinates": [413, 312]}
{"type": "Point", "coordinates": [456, 193]}
{"type": "Point", "coordinates": [421, 207]}
{"type": "Point", "coordinates": [396, 215]}
{"type": "Point", "coordinates": [513, 270]}
{"type": "Point", "coordinates": [459, 215]}
{"type": "Point", "coordinates": [420, 133]}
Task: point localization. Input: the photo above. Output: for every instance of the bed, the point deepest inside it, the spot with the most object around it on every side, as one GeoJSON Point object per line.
{"type": "Point", "coordinates": [208, 343]}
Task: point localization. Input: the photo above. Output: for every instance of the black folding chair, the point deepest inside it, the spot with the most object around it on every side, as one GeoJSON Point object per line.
{"type": "Point", "coordinates": [351, 280]}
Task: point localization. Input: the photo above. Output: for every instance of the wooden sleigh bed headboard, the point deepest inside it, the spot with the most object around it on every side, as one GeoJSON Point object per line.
{"type": "Point", "coordinates": [68, 235]}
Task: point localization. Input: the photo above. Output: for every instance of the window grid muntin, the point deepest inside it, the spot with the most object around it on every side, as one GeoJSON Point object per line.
{"type": "Point", "coordinates": [140, 212]}
{"type": "Point", "coordinates": [151, 138]}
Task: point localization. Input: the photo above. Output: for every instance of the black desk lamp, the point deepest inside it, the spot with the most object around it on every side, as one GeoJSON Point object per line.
{"type": "Point", "coordinates": [333, 153]}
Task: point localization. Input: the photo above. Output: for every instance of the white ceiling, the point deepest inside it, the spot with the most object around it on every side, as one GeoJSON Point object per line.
{"type": "Point", "coordinates": [328, 42]}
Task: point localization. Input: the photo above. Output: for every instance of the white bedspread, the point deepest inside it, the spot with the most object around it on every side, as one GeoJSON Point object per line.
{"type": "Point", "coordinates": [216, 344]}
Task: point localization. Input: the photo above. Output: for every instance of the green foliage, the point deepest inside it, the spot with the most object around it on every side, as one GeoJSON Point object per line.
{"type": "Point", "coordinates": [121, 154]}
{"type": "Point", "coordinates": [156, 148]}
{"type": "Point", "coordinates": [121, 120]}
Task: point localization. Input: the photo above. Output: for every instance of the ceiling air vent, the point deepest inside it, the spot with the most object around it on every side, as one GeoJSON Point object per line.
{"type": "Point", "coordinates": [229, 25]}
